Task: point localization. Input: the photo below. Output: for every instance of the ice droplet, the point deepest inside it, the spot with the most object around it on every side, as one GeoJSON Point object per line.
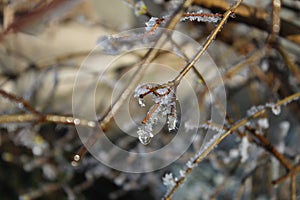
{"type": "Point", "coordinates": [76, 158]}
{"type": "Point", "coordinates": [144, 136]}
{"type": "Point", "coordinates": [172, 121]}
{"type": "Point", "coordinates": [141, 102]}
{"type": "Point", "coordinates": [145, 139]}
{"type": "Point", "coordinates": [276, 109]}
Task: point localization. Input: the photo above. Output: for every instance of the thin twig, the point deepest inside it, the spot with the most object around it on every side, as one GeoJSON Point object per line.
{"type": "Point", "coordinates": [293, 171]}
{"type": "Point", "coordinates": [275, 26]}
{"type": "Point", "coordinates": [38, 117]}
{"type": "Point", "coordinates": [293, 187]}
{"type": "Point", "coordinates": [25, 104]}
{"type": "Point", "coordinates": [59, 119]}
{"type": "Point", "coordinates": [210, 39]}
{"type": "Point", "coordinates": [270, 148]}
{"type": "Point", "coordinates": [254, 16]}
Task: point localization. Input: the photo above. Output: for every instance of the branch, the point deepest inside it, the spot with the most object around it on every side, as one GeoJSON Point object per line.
{"type": "Point", "coordinates": [256, 17]}
{"type": "Point", "coordinates": [36, 116]}
{"type": "Point", "coordinates": [210, 39]}
{"type": "Point", "coordinates": [295, 170]}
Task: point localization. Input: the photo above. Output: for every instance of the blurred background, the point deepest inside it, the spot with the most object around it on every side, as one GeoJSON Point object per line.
{"type": "Point", "coordinates": [44, 42]}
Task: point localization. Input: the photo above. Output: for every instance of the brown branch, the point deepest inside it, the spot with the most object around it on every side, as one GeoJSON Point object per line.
{"type": "Point", "coordinates": [19, 100]}
{"type": "Point", "coordinates": [59, 119]}
{"type": "Point", "coordinates": [275, 25]}
{"type": "Point", "coordinates": [254, 17]}
{"type": "Point", "coordinates": [270, 148]}
{"type": "Point", "coordinates": [210, 39]}
{"type": "Point", "coordinates": [289, 62]}
{"type": "Point", "coordinates": [36, 116]}
{"type": "Point", "coordinates": [295, 170]}
{"type": "Point", "coordinates": [293, 187]}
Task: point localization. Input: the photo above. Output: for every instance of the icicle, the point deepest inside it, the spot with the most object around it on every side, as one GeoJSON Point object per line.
{"type": "Point", "coordinates": [172, 121]}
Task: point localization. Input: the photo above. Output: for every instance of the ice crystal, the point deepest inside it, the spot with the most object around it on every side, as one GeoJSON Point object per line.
{"type": "Point", "coordinates": [116, 44]}
{"type": "Point", "coordinates": [276, 110]}
{"type": "Point", "coordinates": [191, 164]}
{"type": "Point", "coordinates": [145, 134]}
{"type": "Point", "coordinates": [182, 173]}
{"type": "Point", "coordinates": [209, 126]}
{"type": "Point", "coordinates": [200, 17]}
{"type": "Point", "coordinates": [151, 23]}
{"type": "Point", "coordinates": [169, 181]}
{"type": "Point", "coordinates": [254, 109]}
{"type": "Point", "coordinates": [263, 123]}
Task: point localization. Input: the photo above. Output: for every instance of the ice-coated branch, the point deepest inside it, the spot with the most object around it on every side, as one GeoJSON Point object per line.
{"type": "Point", "coordinates": [200, 156]}
{"type": "Point", "coordinates": [164, 97]}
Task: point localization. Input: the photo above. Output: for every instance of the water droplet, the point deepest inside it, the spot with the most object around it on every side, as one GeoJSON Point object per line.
{"type": "Point", "coordinates": [76, 158]}
{"type": "Point", "coordinates": [76, 121]}
{"type": "Point", "coordinates": [276, 109]}
{"type": "Point", "coordinates": [145, 133]}
{"type": "Point", "coordinates": [91, 124]}
{"type": "Point", "coordinates": [144, 139]}
{"type": "Point", "coordinates": [74, 163]}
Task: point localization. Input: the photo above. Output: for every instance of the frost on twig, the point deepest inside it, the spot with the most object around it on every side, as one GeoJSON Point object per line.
{"type": "Point", "coordinates": [164, 97]}
{"type": "Point", "coordinates": [116, 44]}
{"type": "Point", "coordinates": [200, 16]}
{"type": "Point", "coordinates": [169, 181]}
